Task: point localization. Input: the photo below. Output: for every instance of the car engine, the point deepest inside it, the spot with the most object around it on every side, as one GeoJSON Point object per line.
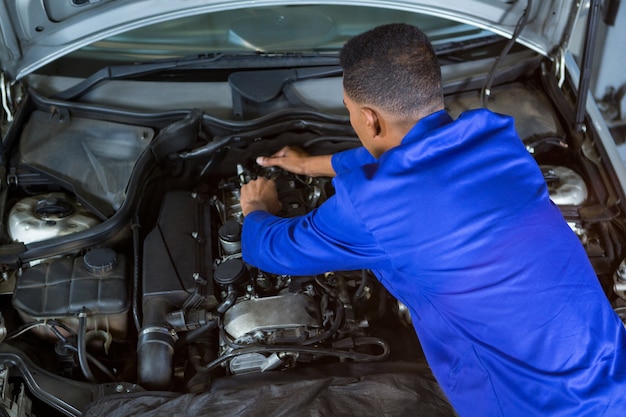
{"type": "Point", "coordinates": [265, 321]}
{"type": "Point", "coordinates": [121, 261]}
{"type": "Point", "coordinates": [191, 304]}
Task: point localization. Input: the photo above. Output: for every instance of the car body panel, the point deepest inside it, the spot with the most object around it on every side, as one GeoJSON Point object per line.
{"type": "Point", "coordinates": [35, 32]}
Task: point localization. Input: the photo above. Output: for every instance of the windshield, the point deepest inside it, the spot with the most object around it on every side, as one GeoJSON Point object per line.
{"type": "Point", "coordinates": [310, 28]}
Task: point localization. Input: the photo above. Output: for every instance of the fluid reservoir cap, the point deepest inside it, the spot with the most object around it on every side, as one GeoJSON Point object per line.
{"type": "Point", "coordinates": [53, 208]}
{"type": "Point", "coordinates": [100, 261]}
{"type": "Point", "coordinates": [232, 271]}
{"type": "Point", "coordinates": [230, 231]}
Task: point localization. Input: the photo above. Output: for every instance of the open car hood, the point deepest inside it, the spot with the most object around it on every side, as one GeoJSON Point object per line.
{"type": "Point", "coordinates": [36, 32]}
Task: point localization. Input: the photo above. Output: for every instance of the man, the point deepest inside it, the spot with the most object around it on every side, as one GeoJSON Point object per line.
{"type": "Point", "coordinates": [455, 220]}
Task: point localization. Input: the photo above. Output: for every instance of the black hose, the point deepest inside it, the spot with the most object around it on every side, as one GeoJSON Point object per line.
{"type": "Point", "coordinates": [336, 139]}
{"type": "Point", "coordinates": [82, 346]}
{"type": "Point", "coordinates": [192, 335]}
{"type": "Point", "coordinates": [356, 356]}
{"type": "Point", "coordinates": [228, 301]}
{"type": "Point", "coordinates": [93, 360]}
{"type": "Point", "coordinates": [609, 250]}
{"type": "Point", "coordinates": [57, 333]}
{"type": "Point", "coordinates": [327, 288]}
{"type": "Point", "coordinates": [56, 323]}
{"type": "Point", "coordinates": [486, 90]}
{"type": "Point", "coordinates": [52, 325]}
{"type": "Point", "coordinates": [228, 341]}
{"type": "Point", "coordinates": [333, 328]}
{"type": "Point", "coordinates": [552, 140]}
{"type": "Point", "coordinates": [279, 127]}
{"type": "Point", "coordinates": [360, 291]}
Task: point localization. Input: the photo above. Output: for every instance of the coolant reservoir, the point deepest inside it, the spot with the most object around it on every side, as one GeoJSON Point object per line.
{"type": "Point", "coordinates": [59, 289]}
{"type": "Point", "coordinates": [565, 186]}
{"type": "Point", "coordinates": [47, 216]}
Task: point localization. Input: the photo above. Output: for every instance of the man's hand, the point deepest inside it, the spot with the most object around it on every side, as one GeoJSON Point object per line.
{"type": "Point", "coordinates": [296, 160]}
{"type": "Point", "coordinates": [289, 158]}
{"type": "Point", "coordinates": [259, 194]}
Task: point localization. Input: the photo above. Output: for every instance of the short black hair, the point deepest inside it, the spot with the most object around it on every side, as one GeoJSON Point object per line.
{"type": "Point", "coordinates": [393, 67]}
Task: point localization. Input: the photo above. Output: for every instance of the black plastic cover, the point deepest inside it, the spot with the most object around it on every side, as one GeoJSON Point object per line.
{"type": "Point", "coordinates": [62, 287]}
{"type": "Point", "coordinates": [178, 249]}
{"type": "Point", "coordinates": [382, 389]}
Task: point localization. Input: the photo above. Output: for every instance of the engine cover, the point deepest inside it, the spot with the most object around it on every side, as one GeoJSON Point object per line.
{"type": "Point", "coordinates": [280, 319]}
{"type": "Point", "coordinates": [178, 250]}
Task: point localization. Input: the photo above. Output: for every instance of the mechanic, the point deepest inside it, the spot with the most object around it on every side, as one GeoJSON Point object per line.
{"type": "Point", "coordinates": [454, 218]}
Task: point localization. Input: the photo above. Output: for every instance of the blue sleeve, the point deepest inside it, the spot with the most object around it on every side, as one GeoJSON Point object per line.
{"type": "Point", "coordinates": [351, 158]}
{"type": "Point", "coordinates": [330, 238]}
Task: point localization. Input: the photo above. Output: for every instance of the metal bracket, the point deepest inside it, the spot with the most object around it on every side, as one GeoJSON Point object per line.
{"type": "Point", "coordinates": [559, 67]}
{"type": "Point", "coordinates": [5, 88]}
{"type": "Point", "coordinates": [586, 64]}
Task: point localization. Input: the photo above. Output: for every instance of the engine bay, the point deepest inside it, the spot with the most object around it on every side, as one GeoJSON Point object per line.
{"type": "Point", "coordinates": [122, 257]}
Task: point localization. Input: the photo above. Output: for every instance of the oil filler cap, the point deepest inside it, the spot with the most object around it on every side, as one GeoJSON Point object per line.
{"type": "Point", "coordinates": [232, 271]}
{"type": "Point", "coordinates": [230, 231]}
{"type": "Point", "coordinates": [100, 261]}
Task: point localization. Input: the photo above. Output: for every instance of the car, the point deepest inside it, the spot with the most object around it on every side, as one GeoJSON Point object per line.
{"type": "Point", "coordinates": [128, 128]}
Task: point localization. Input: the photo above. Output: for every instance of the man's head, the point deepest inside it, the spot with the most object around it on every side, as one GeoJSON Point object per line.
{"type": "Point", "coordinates": [393, 68]}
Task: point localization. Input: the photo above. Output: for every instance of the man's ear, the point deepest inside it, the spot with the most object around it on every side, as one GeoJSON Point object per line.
{"type": "Point", "coordinates": [372, 121]}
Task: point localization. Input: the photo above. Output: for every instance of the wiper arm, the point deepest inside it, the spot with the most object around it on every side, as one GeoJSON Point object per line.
{"type": "Point", "coordinates": [124, 71]}
{"type": "Point", "coordinates": [452, 48]}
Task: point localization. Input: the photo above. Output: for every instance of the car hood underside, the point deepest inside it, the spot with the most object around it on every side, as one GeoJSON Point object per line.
{"type": "Point", "coordinates": [34, 32]}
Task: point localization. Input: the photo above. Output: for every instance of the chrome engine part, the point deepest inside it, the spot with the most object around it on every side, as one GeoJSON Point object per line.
{"type": "Point", "coordinates": [280, 319]}
{"type": "Point", "coordinates": [271, 321]}
{"type": "Point", "coordinates": [14, 400]}
{"type": "Point", "coordinates": [46, 216]}
{"type": "Point", "coordinates": [285, 320]}
{"type": "Point", "coordinates": [565, 186]}
{"type": "Point", "coordinates": [619, 282]}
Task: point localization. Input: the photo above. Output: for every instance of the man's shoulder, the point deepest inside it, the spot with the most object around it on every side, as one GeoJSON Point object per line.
{"type": "Point", "coordinates": [490, 118]}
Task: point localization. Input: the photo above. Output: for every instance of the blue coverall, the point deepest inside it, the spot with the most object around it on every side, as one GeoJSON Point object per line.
{"type": "Point", "coordinates": [457, 223]}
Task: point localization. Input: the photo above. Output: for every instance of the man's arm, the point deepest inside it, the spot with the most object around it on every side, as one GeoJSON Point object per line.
{"type": "Point", "coordinates": [299, 162]}
{"type": "Point", "coordinates": [330, 238]}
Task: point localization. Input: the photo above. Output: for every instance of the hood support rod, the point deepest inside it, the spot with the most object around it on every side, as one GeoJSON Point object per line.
{"type": "Point", "coordinates": [585, 70]}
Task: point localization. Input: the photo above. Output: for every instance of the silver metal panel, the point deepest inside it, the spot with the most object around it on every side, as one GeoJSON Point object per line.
{"type": "Point", "coordinates": [43, 40]}
{"type": "Point", "coordinates": [271, 313]}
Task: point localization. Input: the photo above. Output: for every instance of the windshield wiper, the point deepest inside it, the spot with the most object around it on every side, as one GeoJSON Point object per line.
{"type": "Point", "coordinates": [125, 71]}
{"type": "Point", "coordinates": [449, 49]}
{"type": "Point", "coordinates": [217, 60]}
